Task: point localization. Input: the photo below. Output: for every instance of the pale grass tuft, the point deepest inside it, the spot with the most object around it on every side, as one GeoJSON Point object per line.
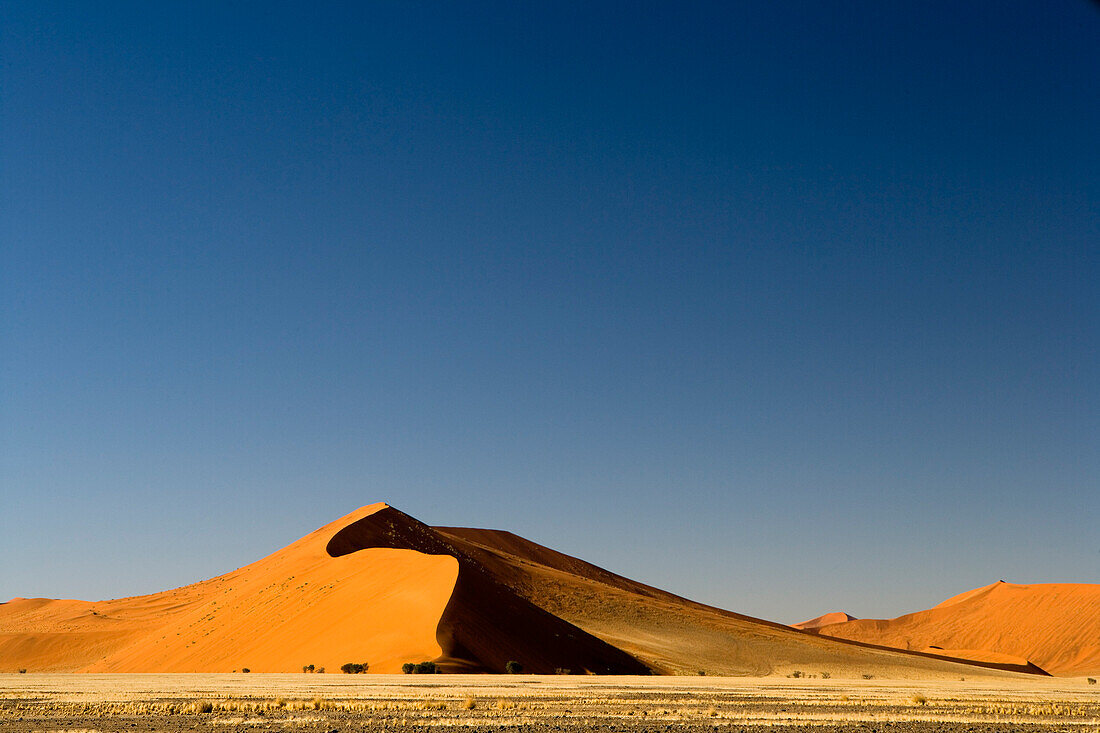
{"type": "Point", "coordinates": [470, 704]}
{"type": "Point", "coordinates": [432, 705]}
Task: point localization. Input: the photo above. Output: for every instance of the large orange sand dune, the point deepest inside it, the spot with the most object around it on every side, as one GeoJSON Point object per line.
{"type": "Point", "coordinates": [1054, 625]}
{"type": "Point", "coordinates": [377, 586]}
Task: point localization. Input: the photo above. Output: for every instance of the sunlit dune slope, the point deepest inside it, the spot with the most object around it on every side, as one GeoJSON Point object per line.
{"type": "Point", "coordinates": [297, 606]}
{"type": "Point", "coordinates": [1054, 625]}
{"type": "Point", "coordinates": [377, 586]}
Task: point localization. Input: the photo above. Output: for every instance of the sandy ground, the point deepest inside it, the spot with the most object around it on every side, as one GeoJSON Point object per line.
{"type": "Point", "coordinates": [337, 702]}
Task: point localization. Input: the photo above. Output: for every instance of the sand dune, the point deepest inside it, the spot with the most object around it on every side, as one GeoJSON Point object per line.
{"type": "Point", "coordinates": [673, 635]}
{"type": "Point", "coordinates": [1054, 625]}
{"type": "Point", "coordinates": [297, 606]}
{"type": "Point", "coordinates": [377, 586]}
{"type": "Point", "coordinates": [833, 617]}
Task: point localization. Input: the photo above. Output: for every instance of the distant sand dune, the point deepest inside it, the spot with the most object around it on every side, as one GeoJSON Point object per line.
{"type": "Point", "coordinates": [1054, 625]}
{"type": "Point", "coordinates": [834, 617]}
{"type": "Point", "coordinates": [377, 586]}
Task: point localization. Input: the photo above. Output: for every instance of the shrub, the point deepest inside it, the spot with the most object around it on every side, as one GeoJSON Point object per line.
{"type": "Point", "coordinates": [825, 675]}
{"type": "Point", "coordinates": [868, 676]}
{"type": "Point", "coordinates": [796, 674]}
{"type": "Point", "coordinates": [408, 667]}
{"type": "Point", "coordinates": [354, 668]}
{"type": "Point", "coordinates": [24, 671]}
{"type": "Point", "coordinates": [320, 670]}
{"type": "Point", "coordinates": [919, 699]}
{"type": "Point", "coordinates": [702, 673]}
{"type": "Point", "coordinates": [563, 670]}
{"type": "Point", "coordinates": [246, 670]}
{"type": "Point", "coordinates": [513, 667]}
{"type": "Point", "coordinates": [426, 668]}
{"type": "Point", "coordinates": [1092, 680]}
{"type": "Point", "coordinates": [470, 704]}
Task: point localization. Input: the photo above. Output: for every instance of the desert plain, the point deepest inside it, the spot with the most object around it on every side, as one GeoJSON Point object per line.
{"type": "Point", "coordinates": [115, 703]}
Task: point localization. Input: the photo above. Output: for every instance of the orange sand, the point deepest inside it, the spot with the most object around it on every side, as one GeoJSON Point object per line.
{"type": "Point", "coordinates": [377, 586]}
{"type": "Point", "coordinates": [298, 606]}
{"type": "Point", "coordinates": [835, 617]}
{"type": "Point", "coordinates": [1054, 625]}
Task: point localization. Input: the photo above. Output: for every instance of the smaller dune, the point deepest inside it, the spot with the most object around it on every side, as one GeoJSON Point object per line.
{"type": "Point", "coordinates": [1055, 626]}
{"type": "Point", "coordinates": [833, 617]}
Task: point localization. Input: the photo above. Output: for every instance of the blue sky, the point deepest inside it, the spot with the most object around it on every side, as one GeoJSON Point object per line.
{"type": "Point", "coordinates": [785, 307]}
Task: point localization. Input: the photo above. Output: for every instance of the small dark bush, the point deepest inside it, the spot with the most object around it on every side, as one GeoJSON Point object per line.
{"type": "Point", "coordinates": [354, 668]}
{"type": "Point", "coordinates": [308, 668]}
{"type": "Point", "coordinates": [1092, 680]}
{"type": "Point", "coordinates": [702, 673]}
{"type": "Point", "coordinates": [563, 670]}
{"type": "Point", "coordinates": [796, 674]}
{"type": "Point", "coordinates": [408, 667]}
{"type": "Point", "coordinates": [320, 670]}
{"type": "Point", "coordinates": [513, 667]}
{"type": "Point", "coordinates": [23, 671]}
{"type": "Point", "coordinates": [426, 668]}
{"type": "Point", "coordinates": [868, 676]}
{"type": "Point", "coordinates": [246, 670]}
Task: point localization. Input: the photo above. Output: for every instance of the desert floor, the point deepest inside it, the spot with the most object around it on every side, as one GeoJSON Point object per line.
{"type": "Point", "coordinates": [336, 702]}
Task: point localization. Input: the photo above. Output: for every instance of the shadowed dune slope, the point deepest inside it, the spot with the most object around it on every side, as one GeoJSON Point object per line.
{"type": "Point", "coordinates": [674, 635]}
{"type": "Point", "coordinates": [377, 586]}
{"type": "Point", "coordinates": [1054, 625]}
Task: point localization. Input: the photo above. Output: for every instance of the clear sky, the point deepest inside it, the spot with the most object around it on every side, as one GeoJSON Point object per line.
{"type": "Point", "coordinates": [783, 306]}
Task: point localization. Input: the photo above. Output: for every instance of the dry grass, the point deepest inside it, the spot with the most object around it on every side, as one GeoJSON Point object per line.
{"type": "Point", "coordinates": [68, 702]}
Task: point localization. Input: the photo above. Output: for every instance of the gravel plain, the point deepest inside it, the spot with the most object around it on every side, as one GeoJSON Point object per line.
{"type": "Point", "coordinates": [81, 703]}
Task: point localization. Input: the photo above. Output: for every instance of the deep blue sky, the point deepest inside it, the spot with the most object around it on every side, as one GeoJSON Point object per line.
{"type": "Point", "coordinates": [785, 307]}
